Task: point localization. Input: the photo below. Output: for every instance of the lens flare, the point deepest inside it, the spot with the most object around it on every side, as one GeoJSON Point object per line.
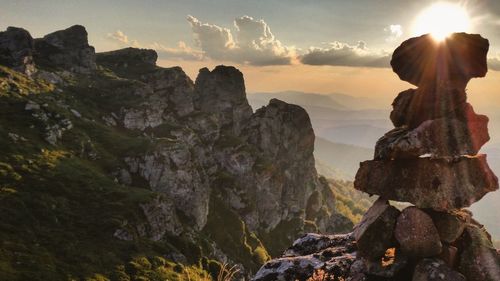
{"type": "Point", "coordinates": [442, 19]}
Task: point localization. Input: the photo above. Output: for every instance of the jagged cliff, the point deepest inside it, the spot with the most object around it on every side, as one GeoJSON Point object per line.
{"type": "Point", "coordinates": [113, 167]}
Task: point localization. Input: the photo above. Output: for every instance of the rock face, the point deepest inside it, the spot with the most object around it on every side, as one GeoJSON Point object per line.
{"type": "Point", "coordinates": [16, 50]}
{"type": "Point", "coordinates": [67, 49]}
{"type": "Point", "coordinates": [222, 92]}
{"type": "Point", "coordinates": [428, 183]}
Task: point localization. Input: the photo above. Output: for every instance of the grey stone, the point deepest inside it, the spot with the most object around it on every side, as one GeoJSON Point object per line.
{"type": "Point", "coordinates": [428, 183]}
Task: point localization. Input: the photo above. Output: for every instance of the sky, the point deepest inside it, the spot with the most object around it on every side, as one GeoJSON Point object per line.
{"type": "Point", "coordinates": [322, 46]}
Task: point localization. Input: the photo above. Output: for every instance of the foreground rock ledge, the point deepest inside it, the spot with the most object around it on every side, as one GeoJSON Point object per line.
{"type": "Point", "coordinates": [428, 183]}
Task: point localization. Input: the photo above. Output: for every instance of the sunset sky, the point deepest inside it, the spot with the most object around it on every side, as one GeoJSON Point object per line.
{"type": "Point", "coordinates": [313, 46]}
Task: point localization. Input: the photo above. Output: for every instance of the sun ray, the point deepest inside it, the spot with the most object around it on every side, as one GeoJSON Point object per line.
{"type": "Point", "coordinates": [441, 19]}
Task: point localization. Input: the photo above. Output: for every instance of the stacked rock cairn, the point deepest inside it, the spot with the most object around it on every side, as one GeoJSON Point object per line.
{"type": "Point", "coordinates": [430, 160]}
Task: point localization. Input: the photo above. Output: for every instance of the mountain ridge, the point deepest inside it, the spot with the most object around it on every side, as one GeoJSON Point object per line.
{"type": "Point", "coordinates": [116, 168]}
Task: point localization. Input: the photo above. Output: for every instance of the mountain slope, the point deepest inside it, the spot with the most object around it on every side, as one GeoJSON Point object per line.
{"type": "Point", "coordinates": [115, 168]}
{"type": "Point", "coordinates": [342, 157]}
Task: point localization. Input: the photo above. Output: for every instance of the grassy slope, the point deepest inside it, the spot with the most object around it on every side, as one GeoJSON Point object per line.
{"type": "Point", "coordinates": [59, 209]}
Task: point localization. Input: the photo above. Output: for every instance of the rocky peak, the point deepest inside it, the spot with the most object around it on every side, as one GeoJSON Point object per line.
{"type": "Point", "coordinates": [222, 92]}
{"type": "Point", "coordinates": [67, 49]}
{"type": "Point", "coordinates": [16, 50]}
{"type": "Point", "coordinates": [285, 131]}
{"type": "Point", "coordinates": [128, 57]}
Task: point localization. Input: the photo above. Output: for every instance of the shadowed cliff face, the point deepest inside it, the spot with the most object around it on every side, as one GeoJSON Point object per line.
{"type": "Point", "coordinates": [140, 160]}
{"type": "Point", "coordinates": [430, 160]}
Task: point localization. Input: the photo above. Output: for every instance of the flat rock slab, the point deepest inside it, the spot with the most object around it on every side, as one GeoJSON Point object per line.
{"type": "Point", "coordinates": [439, 137]}
{"type": "Point", "coordinates": [428, 183]}
{"type": "Point", "coordinates": [459, 57]}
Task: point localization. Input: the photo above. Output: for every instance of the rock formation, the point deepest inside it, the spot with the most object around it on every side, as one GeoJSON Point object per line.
{"type": "Point", "coordinates": [430, 160]}
{"type": "Point", "coordinates": [186, 166]}
{"type": "Point", "coordinates": [16, 50]}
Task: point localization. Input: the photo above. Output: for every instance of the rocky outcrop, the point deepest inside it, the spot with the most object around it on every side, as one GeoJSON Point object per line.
{"type": "Point", "coordinates": [66, 49]}
{"type": "Point", "coordinates": [16, 50]}
{"type": "Point", "coordinates": [325, 256]}
{"type": "Point", "coordinates": [127, 58]}
{"type": "Point", "coordinates": [222, 92]}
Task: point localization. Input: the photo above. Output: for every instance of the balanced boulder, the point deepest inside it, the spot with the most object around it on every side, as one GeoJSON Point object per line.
{"type": "Point", "coordinates": [374, 234]}
{"type": "Point", "coordinates": [416, 233]}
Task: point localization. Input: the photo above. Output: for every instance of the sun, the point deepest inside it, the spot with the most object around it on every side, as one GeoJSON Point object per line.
{"type": "Point", "coordinates": [442, 19]}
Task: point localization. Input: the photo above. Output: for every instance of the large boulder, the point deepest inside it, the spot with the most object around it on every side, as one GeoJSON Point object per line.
{"type": "Point", "coordinates": [16, 50]}
{"type": "Point", "coordinates": [457, 59]}
{"type": "Point", "coordinates": [479, 261]}
{"type": "Point", "coordinates": [222, 92]}
{"type": "Point", "coordinates": [374, 234]}
{"type": "Point", "coordinates": [439, 184]}
{"type": "Point", "coordinates": [416, 234]}
{"type": "Point", "coordinates": [66, 49]}
{"type": "Point", "coordinates": [450, 224]}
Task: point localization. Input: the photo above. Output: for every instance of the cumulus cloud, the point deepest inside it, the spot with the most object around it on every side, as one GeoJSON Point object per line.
{"type": "Point", "coordinates": [343, 54]}
{"type": "Point", "coordinates": [181, 52]}
{"type": "Point", "coordinates": [394, 32]}
{"type": "Point", "coordinates": [252, 43]}
{"type": "Point", "coordinates": [494, 63]}
{"type": "Point", "coordinates": [121, 38]}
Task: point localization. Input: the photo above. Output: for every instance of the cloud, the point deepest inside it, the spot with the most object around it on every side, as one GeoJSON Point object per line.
{"type": "Point", "coordinates": [394, 31]}
{"type": "Point", "coordinates": [343, 54]}
{"type": "Point", "coordinates": [253, 42]}
{"type": "Point", "coordinates": [494, 63]}
{"type": "Point", "coordinates": [121, 38]}
{"type": "Point", "coordinates": [181, 52]}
